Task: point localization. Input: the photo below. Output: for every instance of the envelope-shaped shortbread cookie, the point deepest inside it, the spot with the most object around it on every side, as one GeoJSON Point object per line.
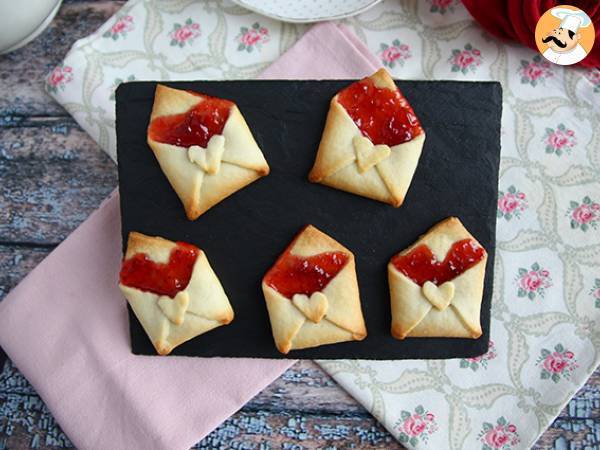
{"type": "Point", "coordinates": [436, 285]}
{"type": "Point", "coordinates": [172, 290]}
{"type": "Point", "coordinates": [372, 141]}
{"type": "Point", "coordinates": [312, 294]}
{"type": "Point", "coordinates": [203, 146]}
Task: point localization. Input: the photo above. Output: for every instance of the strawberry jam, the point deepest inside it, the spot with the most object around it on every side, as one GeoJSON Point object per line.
{"type": "Point", "coordinates": [382, 115]}
{"type": "Point", "coordinates": [195, 126]}
{"type": "Point", "coordinates": [304, 275]}
{"type": "Point", "coordinates": [420, 264]}
{"type": "Point", "coordinates": [140, 272]}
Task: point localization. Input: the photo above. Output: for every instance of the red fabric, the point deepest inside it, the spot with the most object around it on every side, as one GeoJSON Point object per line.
{"type": "Point", "coordinates": [516, 20]}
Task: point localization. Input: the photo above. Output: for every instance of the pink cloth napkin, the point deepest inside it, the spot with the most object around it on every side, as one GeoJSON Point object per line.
{"type": "Point", "coordinates": [65, 325]}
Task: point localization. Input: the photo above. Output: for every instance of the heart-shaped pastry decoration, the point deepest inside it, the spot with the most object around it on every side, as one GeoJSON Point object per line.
{"type": "Point", "coordinates": [313, 307]}
{"type": "Point", "coordinates": [439, 296]}
{"type": "Point", "coordinates": [367, 154]}
{"type": "Point", "coordinates": [174, 308]}
{"type": "Point", "coordinates": [209, 158]}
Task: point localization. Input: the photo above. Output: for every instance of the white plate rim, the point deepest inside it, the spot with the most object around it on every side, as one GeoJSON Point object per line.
{"type": "Point", "coordinates": [308, 20]}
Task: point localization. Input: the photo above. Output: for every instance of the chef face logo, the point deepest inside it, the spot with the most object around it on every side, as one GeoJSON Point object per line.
{"type": "Point", "coordinates": [564, 35]}
{"type": "Point", "coordinates": [561, 40]}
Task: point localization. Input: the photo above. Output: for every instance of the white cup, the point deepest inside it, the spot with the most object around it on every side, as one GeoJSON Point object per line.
{"type": "Point", "coordinates": [21, 21]}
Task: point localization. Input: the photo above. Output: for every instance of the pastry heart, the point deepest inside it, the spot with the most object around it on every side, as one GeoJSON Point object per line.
{"type": "Point", "coordinates": [209, 158]}
{"type": "Point", "coordinates": [439, 296]}
{"type": "Point", "coordinates": [313, 307]}
{"type": "Point", "coordinates": [174, 308]}
{"type": "Point", "coordinates": [311, 293]}
{"type": "Point", "coordinates": [370, 124]}
{"type": "Point", "coordinates": [174, 300]}
{"type": "Point", "coordinates": [367, 154]}
{"type": "Point", "coordinates": [423, 286]}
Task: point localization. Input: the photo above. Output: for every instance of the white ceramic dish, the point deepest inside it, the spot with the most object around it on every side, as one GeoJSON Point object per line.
{"type": "Point", "coordinates": [306, 11]}
{"type": "Point", "coordinates": [21, 22]}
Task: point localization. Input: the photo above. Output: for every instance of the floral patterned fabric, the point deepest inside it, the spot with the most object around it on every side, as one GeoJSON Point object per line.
{"type": "Point", "coordinates": [546, 303]}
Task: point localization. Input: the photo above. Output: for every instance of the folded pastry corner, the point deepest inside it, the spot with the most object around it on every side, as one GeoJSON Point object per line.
{"type": "Point", "coordinates": [311, 293]}
{"type": "Point", "coordinates": [203, 146]}
{"type": "Point", "coordinates": [372, 141]}
{"type": "Point", "coordinates": [172, 290]}
{"type": "Point", "coordinates": [436, 284]}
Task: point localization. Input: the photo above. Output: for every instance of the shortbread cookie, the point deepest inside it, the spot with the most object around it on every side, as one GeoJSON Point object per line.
{"type": "Point", "coordinates": [372, 141]}
{"type": "Point", "coordinates": [312, 294]}
{"type": "Point", "coordinates": [172, 290]}
{"type": "Point", "coordinates": [203, 146]}
{"type": "Point", "coordinates": [436, 285]}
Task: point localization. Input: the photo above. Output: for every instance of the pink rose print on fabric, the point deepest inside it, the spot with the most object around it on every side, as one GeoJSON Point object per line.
{"type": "Point", "coordinates": [251, 38]}
{"type": "Point", "coordinates": [121, 27]}
{"type": "Point", "coordinates": [465, 60]}
{"type": "Point", "coordinates": [533, 282]}
{"type": "Point", "coordinates": [481, 361]}
{"type": "Point", "coordinates": [443, 6]}
{"type": "Point", "coordinates": [584, 215]}
{"type": "Point", "coordinates": [511, 203]}
{"type": "Point", "coordinates": [416, 426]}
{"type": "Point", "coordinates": [393, 54]}
{"type": "Point", "coordinates": [556, 364]}
{"type": "Point", "coordinates": [595, 292]}
{"type": "Point", "coordinates": [184, 34]}
{"type": "Point", "coordinates": [536, 71]}
{"type": "Point", "coordinates": [501, 436]}
{"type": "Point", "coordinates": [58, 78]}
{"type": "Point", "coordinates": [593, 75]}
{"type": "Point", "coordinates": [560, 140]}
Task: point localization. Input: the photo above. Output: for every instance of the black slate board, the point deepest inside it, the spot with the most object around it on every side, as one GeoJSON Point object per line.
{"type": "Point", "coordinates": [243, 235]}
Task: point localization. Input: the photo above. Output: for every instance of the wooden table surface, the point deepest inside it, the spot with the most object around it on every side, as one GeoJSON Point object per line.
{"type": "Point", "coordinates": [52, 176]}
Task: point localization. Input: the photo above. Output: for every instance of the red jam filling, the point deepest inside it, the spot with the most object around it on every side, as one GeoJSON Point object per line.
{"type": "Point", "coordinates": [299, 275]}
{"type": "Point", "coordinates": [195, 126]}
{"type": "Point", "coordinates": [421, 265]}
{"type": "Point", "coordinates": [382, 115]}
{"type": "Point", "coordinates": [140, 272]}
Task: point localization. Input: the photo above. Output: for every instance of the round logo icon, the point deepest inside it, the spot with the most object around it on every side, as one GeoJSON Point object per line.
{"type": "Point", "coordinates": [564, 35]}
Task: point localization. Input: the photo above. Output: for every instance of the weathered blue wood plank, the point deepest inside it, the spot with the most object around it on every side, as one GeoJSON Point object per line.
{"type": "Point", "coordinates": [23, 70]}
{"type": "Point", "coordinates": [16, 261]}
{"type": "Point", "coordinates": [53, 176]}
